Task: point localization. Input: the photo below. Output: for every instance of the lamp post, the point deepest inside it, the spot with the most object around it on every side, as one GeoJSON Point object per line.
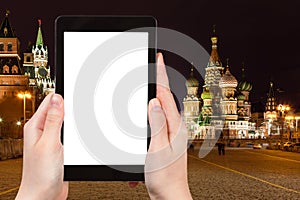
{"type": "Point", "coordinates": [24, 95]}
{"type": "Point", "coordinates": [1, 120]}
{"type": "Point", "coordinates": [19, 123]}
{"type": "Point", "coordinates": [282, 109]}
{"type": "Point", "coordinates": [297, 118]}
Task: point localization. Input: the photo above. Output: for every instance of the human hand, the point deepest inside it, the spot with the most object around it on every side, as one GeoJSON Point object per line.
{"type": "Point", "coordinates": [42, 176]}
{"type": "Point", "coordinates": [166, 162]}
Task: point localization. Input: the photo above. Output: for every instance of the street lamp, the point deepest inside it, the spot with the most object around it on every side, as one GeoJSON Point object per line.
{"type": "Point", "coordinates": [282, 109]}
{"type": "Point", "coordinates": [24, 96]}
{"type": "Point", "coordinates": [1, 120]}
{"type": "Point", "coordinates": [297, 118]}
{"type": "Point", "coordinates": [19, 123]}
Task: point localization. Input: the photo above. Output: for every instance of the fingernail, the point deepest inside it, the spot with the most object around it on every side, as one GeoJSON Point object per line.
{"type": "Point", "coordinates": [56, 100]}
{"type": "Point", "coordinates": [155, 105]}
{"type": "Point", "coordinates": [160, 59]}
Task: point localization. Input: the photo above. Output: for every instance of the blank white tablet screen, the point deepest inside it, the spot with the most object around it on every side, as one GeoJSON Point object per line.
{"type": "Point", "coordinates": [78, 46]}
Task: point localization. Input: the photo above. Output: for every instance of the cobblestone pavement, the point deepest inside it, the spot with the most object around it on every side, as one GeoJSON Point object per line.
{"type": "Point", "coordinates": [240, 174]}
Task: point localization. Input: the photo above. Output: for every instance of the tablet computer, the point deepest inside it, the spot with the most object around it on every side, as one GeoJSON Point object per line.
{"type": "Point", "coordinates": [105, 70]}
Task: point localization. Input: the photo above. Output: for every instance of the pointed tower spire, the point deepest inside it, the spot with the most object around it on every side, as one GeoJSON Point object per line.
{"type": "Point", "coordinates": [271, 93]}
{"type": "Point", "coordinates": [244, 85]}
{"type": "Point", "coordinates": [271, 100]}
{"type": "Point", "coordinates": [214, 59]}
{"type": "Point", "coordinates": [227, 65]}
{"type": "Point", "coordinates": [243, 71]}
{"type": "Point", "coordinates": [192, 69]}
{"type": "Point", "coordinates": [5, 28]}
{"type": "Point", "coordinates": [39, 38]}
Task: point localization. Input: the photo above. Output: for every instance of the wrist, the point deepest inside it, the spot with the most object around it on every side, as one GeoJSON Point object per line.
{"type": "Point", "coordinates": [180, 191]}
{"type": "Point", "coordinates": [25, 193]}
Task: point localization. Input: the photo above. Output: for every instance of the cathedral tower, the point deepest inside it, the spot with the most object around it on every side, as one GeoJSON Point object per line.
{"type": "Point", "coordinates": [191, 102]}
{"type": "Point", "coordinates": [244, 105]}
{"type": "Point", "coordinates": [228, 84]}
{"type": "Point", "coordinates": [214, 69]}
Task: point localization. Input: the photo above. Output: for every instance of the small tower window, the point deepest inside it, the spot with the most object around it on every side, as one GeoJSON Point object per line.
{"type": "Point", "coordinates": [9, 46]}
{"type": "Point", "coordinates": [5, 69]}
{"type": "Point", "coordinates": [14, 69]}
{"type": "Point", "coordinates": [1, 46]}
{"type": "Point", "coordinates": [28, 59]}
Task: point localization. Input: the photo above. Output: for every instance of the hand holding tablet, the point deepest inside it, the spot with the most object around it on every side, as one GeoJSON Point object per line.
{"type": "Point", "coordinates": [41, 159]}
{"type": "Point", "coordinates": [158, 185]}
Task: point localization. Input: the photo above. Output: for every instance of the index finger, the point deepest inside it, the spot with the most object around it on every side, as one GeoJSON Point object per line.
{"type": "Point", "coordinates": [166, 98]}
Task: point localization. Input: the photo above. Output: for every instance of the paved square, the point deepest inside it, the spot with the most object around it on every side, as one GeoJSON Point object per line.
{"type": "Point", "coordinates": [240, 174]}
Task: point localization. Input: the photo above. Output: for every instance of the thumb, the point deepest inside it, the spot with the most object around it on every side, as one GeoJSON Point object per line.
{"type": "Point", "coordinates": [54, 119]}
{"type": "Point", "coordinates": [158, 125]}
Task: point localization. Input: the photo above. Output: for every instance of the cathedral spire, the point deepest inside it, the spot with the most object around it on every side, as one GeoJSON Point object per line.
{"type": "Point", "coordinates": [243, 71]}
{"type": "Point", "coordinates": [214, 59]}
{"type": "Point", "coordinates": [271, 93]}
{"type": "Point", "coordinates": [271, 100]}
{"type": "Point", "coordinates": [5, 28]}
{"type": "Point", "coordinates": [39, 38]}
{"type": "Point", "coordinates": [192, 69]}
{"type": "Point", "coordinates": [227, 65]}
{"type": "Point", "coordinates": [244, 85]}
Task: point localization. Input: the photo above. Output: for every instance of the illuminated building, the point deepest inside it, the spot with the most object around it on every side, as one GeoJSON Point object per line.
{"type": "Point", "coordinates": [226, 107]}
{"type": "Point", "coordinates": [32, 79]}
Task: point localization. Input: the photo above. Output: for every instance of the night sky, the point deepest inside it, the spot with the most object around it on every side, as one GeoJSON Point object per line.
{"type": "Point", "coordinates": [263, 34]}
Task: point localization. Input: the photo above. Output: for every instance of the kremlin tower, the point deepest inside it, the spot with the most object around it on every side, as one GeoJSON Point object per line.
{"type": "Point", "coordinates": [31, 81]}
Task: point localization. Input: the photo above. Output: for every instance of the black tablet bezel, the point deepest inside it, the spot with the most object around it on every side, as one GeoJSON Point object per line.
{"type": "Point", "coordinates": [103, 24]}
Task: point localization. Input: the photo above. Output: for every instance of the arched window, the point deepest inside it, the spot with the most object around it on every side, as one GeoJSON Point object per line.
{"type": "Point", "coordinates": [14, 69]}
{"type": "Point", "coordinates": [5, 69]}
{"type": "Point", "coordinates": [9, 46]}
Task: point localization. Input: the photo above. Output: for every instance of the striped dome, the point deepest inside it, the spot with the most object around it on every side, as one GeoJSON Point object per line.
{"type": "Point", "coordinates": [245, 86]}
{"type": "Point", "coordinates": [228, 80]}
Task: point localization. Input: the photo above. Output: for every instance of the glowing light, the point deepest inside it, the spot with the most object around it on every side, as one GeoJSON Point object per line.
{"type": "Point", "coordinates": [18, 123]}
{"type": "Point", "coordinates": [24, 95]}
{"type": "Point", "coordinates": [289, 117]}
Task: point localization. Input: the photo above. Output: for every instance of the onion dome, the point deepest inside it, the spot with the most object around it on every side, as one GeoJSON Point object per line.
{"type": "Point", "coordinates": [206, 95]}
{"type": "Point", "coordinates": [244, 85]}
{"type": "Point", "coordinates": [241, 97]}
{"type": "Point", "coordinates": [192, 81]}
{"type": "Point", "coordinates": [228, 80]}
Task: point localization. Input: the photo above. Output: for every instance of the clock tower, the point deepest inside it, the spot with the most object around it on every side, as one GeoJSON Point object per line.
{"type": "Point", "coordinates": [40, 56]}
{"type": "Point", "coordinates": [40, 64]}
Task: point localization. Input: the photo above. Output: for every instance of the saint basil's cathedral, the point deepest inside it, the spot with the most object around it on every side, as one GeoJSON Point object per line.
{"type": "Point", "coordinates": [223, 109]}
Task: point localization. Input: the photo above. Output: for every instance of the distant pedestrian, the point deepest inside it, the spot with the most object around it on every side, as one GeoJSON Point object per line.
{"type": "Point", "coordinates": [223, 148]}
{"type": "Point", "coordinates": [191, 147]}
{"type": "Point", "coordinates": [219, 147]}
